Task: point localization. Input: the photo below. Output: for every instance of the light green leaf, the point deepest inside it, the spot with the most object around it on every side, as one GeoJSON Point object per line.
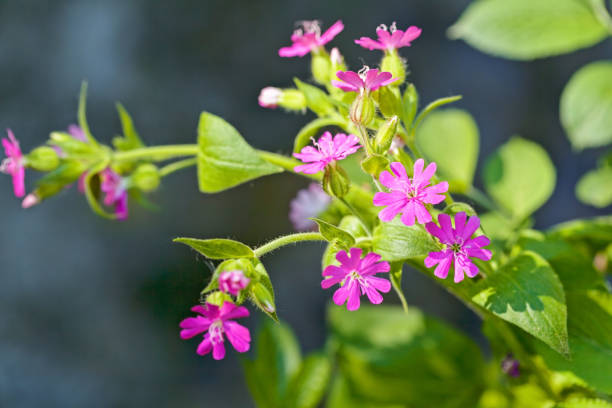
{"type": "Point", "coordinates": [520, 177]}
{"type": "Point", "coordinates": [218, 248]}
{"type": "Point", "coordinates": [410, 104]}
{"type": "Point", "coordinates": [581, 402]}
{"type": "Point", "coordinates": [335, 234]}
{"type": "Point", "coordinates": [309, 385]}
{"type": "Point", "coordinates": [586, 106]}
{"type": "Point", "coordinates": [433, 106]}
{"type": "Point", "coordinates": [527, 292]}
{"type": "Point", "coordinates": [527, 29]}
{"type": "Point", "coordinates": [450, 138]}
{"type": "Point", "coordinates": [225, 160]}
{"type": "Point", "coordinates": [596, 230]}
{"type": "Point", "coordinates": [396, 242]}
{"type": "Point", "coordinates": [316, 99]}
{"type": "Point", "coordinates": [313, 128]}
{"type": "Point", "coordinates": [130, 139]}
{"type": "Point", "coordinates": [595, 187]}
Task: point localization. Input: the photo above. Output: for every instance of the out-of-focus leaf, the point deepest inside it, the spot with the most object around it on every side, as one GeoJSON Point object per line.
{"type": "Point", "coordinates": [131, 139]}
{"type": "Point", "coordinates": [309, 385]}
{"type": "Point", "coordinates": [316, 99]}
{"type": "Point", "coordinates": [595, 187]}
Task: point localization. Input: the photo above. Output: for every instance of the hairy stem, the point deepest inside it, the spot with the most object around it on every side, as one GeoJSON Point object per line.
{"type": "Point", "coordinates": [286, 163]}
{"type": "Point", "coordinates": [287, 240]}
{"type": "Point", "coordinates": [157, 153]}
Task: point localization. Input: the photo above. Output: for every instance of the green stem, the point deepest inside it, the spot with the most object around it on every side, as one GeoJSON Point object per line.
{"type": "Point", "coordinates": [286, 163]}
{"type": "Point", "coordinates": [286, 240]}
{"type": "Point", "coordinates": [178, 165]}
{"type": "Point", "coordinates": [157, 153]}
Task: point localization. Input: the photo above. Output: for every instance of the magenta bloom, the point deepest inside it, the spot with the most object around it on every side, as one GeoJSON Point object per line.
{"type": "Point", "coordinates": [216, 321]}
{"type": "Point", "coordinates": [390, 38]}
{"type": "Point", "coordinates": [309, 202]}
{"type": "Point", "coordinates": [233, 282]}
{"type": "Point", "coordinates": [356, 277]}
{"type": "Point", "coordinates": [363, 82]}
{"type": "Point", "coordinates": [409, 196]}
{"type": "Point", "coordinates": [309, 38]}
{"type": "Point", "coordinates": [115, 189]}
{"type": "Point", "coordinates": [327, 150]}
{"type": "Point", "coordinates": [14, 163]}
{"type": "Point", "coordinates": [460, 246]}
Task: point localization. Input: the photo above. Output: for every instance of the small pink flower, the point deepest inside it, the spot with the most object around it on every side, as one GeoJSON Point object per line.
{"type": "Point", "coordinates": [115, 188]}
{"type": "Point", "coordinates": [460, 246]}
{"type": "Point", "coordinates": [309, 202]}
{"type": "Point", "coordinates": [363, 82]}
{"type": "Point", "coordinates": [269, 97]}
{"type": "Point", "coordinates": [14, 163]}
{"type": "Point", "coordinates": [309, 38]}
{"type": "Point", "coordinates": [327, 150]}
{"type": "Point", "coordinates": [408, 196]}
{"type": "Point", "coordinates": [390, 38]}
{"type": "Point", "coordinates": [216, 321]}
{"type": "Point", "coordinates": [356, 278]}
{"type": "Point", "coordinates": [233, 282]}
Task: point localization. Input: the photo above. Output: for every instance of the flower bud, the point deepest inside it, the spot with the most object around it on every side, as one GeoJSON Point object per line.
{"type": "Point", "coordinates": [410, 104]}
{"type": "Point", "coordinates": [389, 101]}
{"type": "Point", "coordinates": [335, 181]}
{"type": "Point", "coordinates": [43, 158]}
{"type": "Point", "coordinates": [263, 298]}
{"type": "Point", "coordinates": [392, 63]}
{"type": "Point", "coordinates": [362, 110]}
{"type": "Point", "coordinates": [269, 97]}
{"type": "Point", "coordinates": [321, 67]}
{"type": "Point", "coordinates": [290, 99]}
{"type": "Point", "coordinates": [30, 200]}
{"type": "Point", "coordinates": [218, 298]}
{"type": "Point", "coordinates": [384, 136]}
{"type": "Point", "coordinates": [145, 177]}
{"type": "Point", "coordinates": [337, 62]}
{"type": "Point", "coordinates": [374, 164]}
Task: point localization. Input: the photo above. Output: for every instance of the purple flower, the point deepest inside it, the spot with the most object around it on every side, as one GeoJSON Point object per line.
{"type": "Point", "coordinates": [510, 366]}
{"type": "Point", "coordinates": [390, 38]}
{"type": "Point", "coordinates": [327, 150]}
{"type": "Point", "coordinates": [14, 163]}
{"type": "Point", "coordinates": [269, 97]}
{"type": "Point", "coordinates": [115, 189]}
{"type": "Point", "coordinates": [233, 282]}
{"type": "Point", "coordinates": [308, 38]}
{"type": "Point", "coordinates": [363, 82]}
{"type": "Point", "coordinates": [356, 278]}
{"type": "Point", "coordinates": [460, 246]}
{"type": "Point", "coordinates": [309, 202]}
{"type": "Point", "coordinates": [216, 321]}
{"type": "Point", "coordinates": [408, 196]}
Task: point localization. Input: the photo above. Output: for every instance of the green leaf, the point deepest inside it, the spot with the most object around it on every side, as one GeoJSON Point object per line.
{"type": "Point", "coordinates": [309, 385]}
{"type": "Point", "coordinates": [225, 160]}
{"type": "Point", "coordinates": [82, 114]}
{"type": "Point", "coordinates": [316, 99]}
{"type": "Point", "coordinates": [586, 106]}
{"type": "Point", "coordinates": [410, 104]}
{"type": "Point", "coordinates": [450, 138]}
{"type": "Point", "coordinates": [313, 128]}
{"type": "Point", "coordinates": [277, 363]}
{"type": "Point", "coordinates": [391, 357]}
{"type": "Point", "coordinates": [341, 396]}
{"type": "Point", "coordinates": [527, 292]}
{"type": "Point", "coordinates": [595, 187]}
{"type": "Point", "coordinates": [598, 231]}
{"type": "Point", "coordinates": [262, 292]}
{"type": "Point", "coordinates": [520, 177]}
{"type": "Point", "coordinates": [433, 106]}
{"type": "Point", "coordinates": [218, 248]}
{"type": "Point", "coordinates": [396, 242]}
{"type": "Point", "coordinates": [131, 139]}
{"type": "Point", "coordinates": [581, 402]}
{"type": "Point", "coordinates": [526, 29]}
{"type": "Point", "coordinates": [352, 225]}
{"type": "Point", "coordinates": [334, 234]}
{"type": "Point", "coordinates": [590, 339]}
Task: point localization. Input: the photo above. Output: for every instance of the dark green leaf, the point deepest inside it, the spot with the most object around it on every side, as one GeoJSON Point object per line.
{"type": "Point", "coordinates": [334, 234]}
{"type": "Point", "coordinates": [218, 248]}
{"type": "Point", "coordinates": [396, 242]}
{"type": "Point", "coordinates": [309, 385]}
{"type": "Point", "coordinates": [225, 160]}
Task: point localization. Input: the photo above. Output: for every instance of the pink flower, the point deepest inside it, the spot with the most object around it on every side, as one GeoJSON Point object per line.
{"type": "Point", "coordinates": [460, 246]}
{"type": "Point", "coordinates": [217, 321]}
{"type": "Point", "coordinates": [233, 282]}
{"type": "Point", "coordinates": [390, 38]}
{"type": "Point", "coordinates": [309, 38]}
{"type": "Point", "coordinates": [269, 97]}
{"type": "Point", "coordinates": [327, 150]}
{"type": "Point", "coordinates": [408, 196]}
{"type": "Point", "coordinates": [356, 277]}
{"type": "Point", "coordinates": [309, 202]}
{"type": "Point", "coordinates": [363, 82]}
{"type": "Point", "coordinates": [14, 163]}
{"type": "Point", "coordinates": [115, 188]}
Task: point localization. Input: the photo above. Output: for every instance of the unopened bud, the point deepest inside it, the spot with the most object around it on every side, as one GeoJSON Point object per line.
{"type": "Point", "coordinates": [337, 62]}
{"type": "Point", "coordinates": [43, 158]}
{"type": "Point", "coordinates": [145, 177]}
{"type": "Point", "coordinates": [263, 298]}
{"type": "Point", "coordinates": [290, 99]}
{"type": "Point", "coordinates": [389, 101]}
{"type": "Point", "coordinates": [392, 63]}
{"type": "Point", "coordinates": [384, 136]}
{"type": "Point", "coordinates": [30, 200]}
{"type": "Point", "coordinates": [410, 104]}
{"type": "Point", "coordinates": [321, 67]}
{"type": "Point", "coordinates": [362, 110]}
{"type": "Point", "coordinates": [269, 97]}
{"type": "Point", "coordinates": [335, 181]}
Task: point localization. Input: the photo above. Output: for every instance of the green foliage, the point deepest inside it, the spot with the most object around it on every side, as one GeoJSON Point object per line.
{"type": "Point", "coordinates": [262, 291]}
{"type": "Point", "coordinates": [586, 106]}
{"type": "Point", "coordinates": [225, 159]}
{"type": "Point", "coordinates": [584, 403]}
{"type": "Point", "coordinates": [450, 138]}
{"type": "Point", "coordinates": [309, 385]}
{"type": "Point", "coordinates": [131, 139]}
{"type": "Point", "coordinates": [433, 106]}
{"type": "Point", "coordinates": [218, 248]}
{"type": "Point", "coordinates": [335, 235]}
{"type": "Point", "coordinates": [595, 187]}
{"type": "Point", "coordinates": [520, 177]}
{"type": "Point", "coordinates": [316, 99]}
{"type": "Point", "coordinates": [396, 242]}
{"type": "Point", "coordinates": [82, 115]}
{"type": "Point", "coordinates": [527, 29]}
{"type": "Point", "coordinates": [527, 292]}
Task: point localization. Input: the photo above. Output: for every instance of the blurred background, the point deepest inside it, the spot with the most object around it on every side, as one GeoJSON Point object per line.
{"type": "Point", "coordinates": [90, 308]}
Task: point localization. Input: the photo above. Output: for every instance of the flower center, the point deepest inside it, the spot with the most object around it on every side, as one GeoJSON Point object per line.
{"type": "Point", "coordinates": [216, 332]}
{"type": "Point", "coordinates": [456, 247]}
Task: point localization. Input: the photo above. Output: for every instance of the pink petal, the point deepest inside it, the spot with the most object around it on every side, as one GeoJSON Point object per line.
{"type": "Point", "coordinates": [434, 258]}
{"type": "Point", "coordinates": [344, 86]}
{"type": "Point", "coordinates": [373, 295]}
{"type": "Point", "coordinates": [433, 194]}
{"type": "Point", "coordinates": [380, 267]}
{"type": "Point", "coordinates": [19, 181]}
{"type": "Point", "coordinates": [238, 335]}
{"type": "Point", "coordinates": [471, 227]}
{"type": "Point", "coordinates": [331, 32]}
{"type": "Point", "coordinates": [295, 50]}
{"type": "Point", "coordinates": [353, 296]}
{"type": "Point", "coordinates": [311, 168]}
{"type": "Point", "coordinates": [408, 215]}
{"type": "Point", "coordinates": [351, 78]}
{"type": "Point", "coordinates": [230, 311]}
{"type": "Point", "coordinates": [389, 213]}
{"type": "Point", "coordinates": [370, 44]}
{"type": "Point", "coordinates": [422, 215]}
{"type": "Point", "coordinates": [479, 241]}
{"type": "Point", "coordinates": [368, 260]}
{"type": "Point", "coordinates": [341, 294]}
{"type": "Point", "coordinates": [424, 178]}
{"type": "Point", "coordinates": [329, 282]}
{"type": "Point", "coordinates": [380, 284]}
{"type": "Point", "coordinates": [483, 254]}
{"type": "Point", "coordinates": [205, 346]}
{"type": "Point", "coordinates": [441, 270]}
{"type": "Point", "coordinates": [334, 271]}
{"type": "Point", "coordinates": [434, 230]}
{"type": "Point", "coordinates": [411, 34]}
{"type": "Point", "coordinates": [445, 223]}
{"type": "Point", "coordinates": [382, 199]}
{"type": "Point", "coordinates": [460, 223]}
{"type": "Point", "coordinates": [458, 272]}
{"type": "Point", "coordinates": [201, 309]}
{"type": "Point", "coordinates": [399, 170]}
{"type": "Point", "coordinates": [218, 351]}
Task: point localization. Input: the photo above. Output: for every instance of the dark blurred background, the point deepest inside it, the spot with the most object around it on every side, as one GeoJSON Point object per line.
{"type": "Point", "coordinates": [89, 307]}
